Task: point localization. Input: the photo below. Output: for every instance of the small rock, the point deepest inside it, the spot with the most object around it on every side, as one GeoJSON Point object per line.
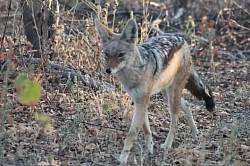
{"type": "Point", "coordinates": [183, 162]}
{"type": "Point", "coordinates": [247, 103]}
{"type": "Point", "coordinates": [244, 147]}
{"type": "Point", "coordinates": [90, 146]}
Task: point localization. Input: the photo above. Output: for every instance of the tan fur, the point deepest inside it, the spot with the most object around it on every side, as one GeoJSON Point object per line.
{"type": "Point", "coordinates": [180, 58]}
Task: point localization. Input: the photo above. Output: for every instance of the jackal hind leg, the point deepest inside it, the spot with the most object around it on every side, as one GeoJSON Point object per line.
{"type": "Point", "coordinates": [148, 134]}
{"type": "Point", "coordinates": [188, 112]}
{"type": "Point", "coordinates": [173, 95]}
{"type": "Point", "coordinates": [136, 124]}
{"type": "Point", "coordinates": [191, 121]}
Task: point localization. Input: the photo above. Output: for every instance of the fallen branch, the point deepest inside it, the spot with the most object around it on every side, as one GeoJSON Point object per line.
{"type": "Point", "coordinates": [67, 72]}
{"type": "Point", "coordinates": [233, 55]}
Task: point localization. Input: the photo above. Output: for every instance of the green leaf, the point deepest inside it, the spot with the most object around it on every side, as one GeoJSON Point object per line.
{"type": "Point", "coordinates": [41, 117]}
{"type": "Point", "coordinates": [29, 92]}
{"type": "Point", "coordinates": [20, 81]}
{"type": "Point", "coordinates": [105, 107]}
{"type": "Point", "coordinates": [44, 120]}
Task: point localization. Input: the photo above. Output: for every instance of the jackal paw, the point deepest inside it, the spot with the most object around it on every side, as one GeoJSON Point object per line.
{"type": "Point", "coordinates": [195, 134]}
{"type": "Point", "coordinates": [123, 158]}
{"type": "Point", "coordinates": [150, 147]}
{"type": "Point", "coordinates": [165, 146]}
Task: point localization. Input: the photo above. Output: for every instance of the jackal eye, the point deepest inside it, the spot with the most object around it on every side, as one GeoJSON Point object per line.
{"type": "Point", "coordinates": [121, 54]}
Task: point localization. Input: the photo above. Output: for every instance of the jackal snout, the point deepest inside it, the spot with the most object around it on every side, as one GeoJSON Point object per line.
{"type": "Point", "coordinates": [113, 64]}
{"type": "Point", "coordinates": [108, 71]}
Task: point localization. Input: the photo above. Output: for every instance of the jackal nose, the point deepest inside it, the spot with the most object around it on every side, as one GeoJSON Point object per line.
{"type": "Point", "coordinates": [108, 71]}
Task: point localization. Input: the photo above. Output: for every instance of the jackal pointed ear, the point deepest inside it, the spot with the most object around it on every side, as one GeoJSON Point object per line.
{"type": "Point", "coordinates": [130, 32]}
{"type": "Point", "coordinates": [104, 32]}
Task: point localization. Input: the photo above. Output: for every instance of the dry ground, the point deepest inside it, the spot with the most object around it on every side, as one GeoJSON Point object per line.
{"type": "Point", "coordinates": [87, 126]}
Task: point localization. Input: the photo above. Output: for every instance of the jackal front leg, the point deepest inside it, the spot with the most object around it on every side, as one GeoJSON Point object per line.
{"type": "Point", "coordinates": [137, 122]}
{"type": "Point", "coordinates": [148, 134]}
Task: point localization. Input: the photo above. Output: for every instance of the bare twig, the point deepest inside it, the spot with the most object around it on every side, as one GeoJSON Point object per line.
{"type": "Point", "coordinates": [241, 8]}
{"type": "Point", "coordinates": [241, 55]}
{"type": "Point", "coordinates": [73, 27]}
{"type": "Point", "coordinates": [91, 124]}
{"type": "Point", "coordinates": [4, 31]}
{"type": "Point", "coordinates": [233, 22]}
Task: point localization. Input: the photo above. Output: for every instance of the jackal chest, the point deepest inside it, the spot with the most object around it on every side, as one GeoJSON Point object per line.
{"type": "Point", "coordinates": [130, 79]}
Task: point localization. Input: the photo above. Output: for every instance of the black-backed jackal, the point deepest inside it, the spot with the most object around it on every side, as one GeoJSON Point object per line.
{"type": "Point", "coordinates": [161, 64]}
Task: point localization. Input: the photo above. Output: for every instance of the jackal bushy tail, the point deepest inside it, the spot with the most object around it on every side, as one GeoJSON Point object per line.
{"type": "Point", "coordinates": [200, 90]}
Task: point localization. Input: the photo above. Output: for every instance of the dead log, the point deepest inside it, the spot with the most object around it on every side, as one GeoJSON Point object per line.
{"type": "Point", "coordinates": [67, 72]}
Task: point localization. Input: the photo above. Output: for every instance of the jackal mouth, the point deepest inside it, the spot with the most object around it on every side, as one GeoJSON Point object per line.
{"type": "Point", "coordinates": [111, 70]}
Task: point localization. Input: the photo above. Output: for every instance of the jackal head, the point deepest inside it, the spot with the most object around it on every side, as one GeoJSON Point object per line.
{"type": "Point", "coordinates": [119, 50]}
